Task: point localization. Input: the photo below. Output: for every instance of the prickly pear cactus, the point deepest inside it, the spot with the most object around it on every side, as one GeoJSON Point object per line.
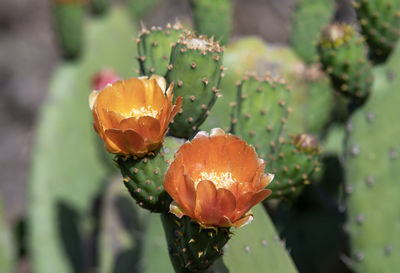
{"type": "Point", "coordinates": [61, 191]}
{"type": "Point", "coordinates": [309, 18]}
{"type": "Point", "coordinates": [68, 19]}
{"type": "Point", "coordinates": [252, 248]}
{"type": "Point", "coordinates": [143, 177]}
{"type": "Point", "coordinates": [154, 48]}
{"type": "Point", "coordinates": [213, 18]}
{"type": "Point", "coordinates": [380, 24]}
{"type": "Point", "coordinates": [344, 58]}
{"type": "Point", "coordinates": [195, 69]}
{"type": "Point", "coordinates": [293, 163]}
{"type": "Point", "coordinates": [373, 164]}
{"type": "Point", "coordinates": [191, 247]}
{"type": "Point", "coordinates": [261, 112]}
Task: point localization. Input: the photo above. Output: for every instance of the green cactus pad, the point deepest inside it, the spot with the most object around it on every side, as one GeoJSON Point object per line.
{"type": "Point", "coordinates": [344, 58]}
{"type": "Point", "coordinates": [372, 172]}
{"type": "Point", "coordinates": [380, 24]}
{"type": "Point", "coordinates": [195, 69]}
{"type": "Point", "coordinates": [143, 177]}
{"type": "Point", "coordinates": [309, 18]}
{"type": "Point", "coordinates": [68, 20]}
{"type": "Point", "coordinates": [154, 48]}
{"type": "Point", "coordinates": [213, 18]}
{"type": "Point", "coordinates": [192, 248]}
{"type": "Point", "coordinates": [261, 112]}
{"type": "Point", "coordinates": [293, 163]}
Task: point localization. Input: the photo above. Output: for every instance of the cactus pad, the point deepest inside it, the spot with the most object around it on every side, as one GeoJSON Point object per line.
{"type": "Point", "coordinates": [143, 177]}
{"type": "Point", "coordinates": [380, 24]}
{"type": "Point", "coordinates": [344, 58]}
{"type": "Point", "coordinates": [293, 163]}
{"type": "Point", "coordinates": [261, 112]}
{"type": "Point", "coordinates": [195, 68]}
{"type": "Point", "coordinates": [373, 165]}
{"type": "Point", "coordinates": [154, 48]}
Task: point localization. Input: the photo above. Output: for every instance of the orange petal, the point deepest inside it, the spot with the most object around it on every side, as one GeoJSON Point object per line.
{"type": "Point", "coordinates": [226, 203]}
{"type": "Point", "coordinates": [128, 141]}
{"type": "Point", "coordinates": [248, 200]}
{"type": "Point", "coordinates": [243, 221]}
{"type": "Point", "coordinates": [110, 119]}
{"type": "Point", "coordinates": [122, 96]}
{"type": "Point", "coordinates": [130, 123]}
{"type": "Point", "coordinates": [187, 194]}
{"type": "Point", "coordinates": [154, 96]}
{"type": "Point", "coordinates": [218, 160]}
{"type": "Point", "coordinates": [150, 128]}
{"type": "Point", "coordinates": [206, 199]}
{"type": "Point", "coordinates": [195, 156]}
{"type": "Point", "coordinates": [238, 150]}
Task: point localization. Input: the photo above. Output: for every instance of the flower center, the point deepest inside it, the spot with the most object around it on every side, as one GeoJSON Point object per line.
{"type": "Point", "coordinates": [141, 112]}
{"type": "Point", "coordinates": [220, 180]}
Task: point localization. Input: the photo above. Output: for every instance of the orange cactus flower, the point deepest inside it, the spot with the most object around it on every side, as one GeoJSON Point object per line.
{"type": "Point", "coordinates": [216, 179]}
{"type": "Point", "coordinates": [132, 116]}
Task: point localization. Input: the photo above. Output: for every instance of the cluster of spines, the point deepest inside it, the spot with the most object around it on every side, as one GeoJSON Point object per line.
{"type": "Point", "coordinates": [154, 48]}
{"type": "Point", "coordinates": [380, 24]}
{"type": "Point", "coordinates": [196, 70]}
{"type": "Point", "coordinates": [261, 111]}
{"type": "Point", "coordinates": [344, 58]}
{"type": "Point", "coordinates": [293, 163]}
{"type": "Point", "coordinates": [192, 247]}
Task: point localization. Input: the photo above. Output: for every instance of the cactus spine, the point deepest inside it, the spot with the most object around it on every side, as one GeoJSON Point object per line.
{"type": "Point", "coordinates": [196, 69]}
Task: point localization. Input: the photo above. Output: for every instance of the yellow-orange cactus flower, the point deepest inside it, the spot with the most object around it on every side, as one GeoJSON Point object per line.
{"type": "Point", "coordinates": [216, 179]}
{"type": "Point", "coordinates": [132, 116]}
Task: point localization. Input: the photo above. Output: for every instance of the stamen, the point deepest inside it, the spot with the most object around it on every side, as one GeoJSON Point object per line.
{"type": "Point", "coordinates": [143, 111]}
{"type": "Point", "coordinates": [220, 180]}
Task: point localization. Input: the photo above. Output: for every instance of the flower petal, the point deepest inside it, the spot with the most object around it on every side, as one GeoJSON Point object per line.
{"type": "Point", "coordinates": [226, 203]}
{"type": "Point", "coordinates": [245, 220]}
{"type": "Point", "coordinates": [150, 128]}
{"type": "Point", "coordinates": [248, 200]}
{"type": "Point", "coordinates": [129, 141]}
{"type": "Point", "coordinates": [206, 211]}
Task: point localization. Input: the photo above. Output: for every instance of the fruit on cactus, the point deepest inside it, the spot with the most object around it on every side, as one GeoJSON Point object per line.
{"type": "Point", "coordinates": [344, 58]}
{"type": "Point", "coordinates": [132, 116]}
{"type": "Point", "coordinates": [380, 24]}
{"type": "Point", "coordinates": [68, 20]}
{"type": "Point", "coordinates": [103, 78]}
{"type": "Point", "coordinates": [216, 179]}
{"type": "Point", "coordinates": [196, 69]}
{"type": "Point", "coordinates": [154, 48]}
{"type": "Point", "coordinates": [293, 163]}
